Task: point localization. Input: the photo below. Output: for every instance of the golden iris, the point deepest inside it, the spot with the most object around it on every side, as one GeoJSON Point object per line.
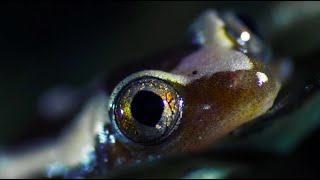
{"type": "Point", "coordinates": [147, 110]}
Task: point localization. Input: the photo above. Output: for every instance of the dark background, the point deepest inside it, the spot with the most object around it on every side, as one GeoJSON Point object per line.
{"type": "Point", "coordinates": [45, 44]}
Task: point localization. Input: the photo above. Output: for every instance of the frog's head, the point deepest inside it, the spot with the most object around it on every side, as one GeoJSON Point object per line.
{"type": "Point", "coordinates": [179, 102]}
{"type": "Point", "coordinates": [204, 96]}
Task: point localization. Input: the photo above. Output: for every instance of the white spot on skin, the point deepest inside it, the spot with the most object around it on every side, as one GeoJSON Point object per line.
{"type": "Point", "coordinates": [165, 103]}
{"type": "Point", "coordinates": [245, 36]}
{"type": "Point", "coordinates": [206, 107]}
{"type": "Point", "coordinates": [262, 78]}
{"type": "Point", "coordinates": [180, 102]}
{"type": "Point", "coordinates": [112, 139]}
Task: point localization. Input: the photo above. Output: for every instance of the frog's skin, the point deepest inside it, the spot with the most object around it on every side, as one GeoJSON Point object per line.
{"type": "Point", "coordinates": [222, 87]}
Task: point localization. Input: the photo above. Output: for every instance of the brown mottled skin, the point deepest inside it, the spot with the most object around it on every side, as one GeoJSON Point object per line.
{"type": "Point", "coordinates": [234, 98]}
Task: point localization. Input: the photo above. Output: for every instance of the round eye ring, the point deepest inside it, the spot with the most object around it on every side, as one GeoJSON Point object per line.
{"type": "Point", "coordinates": [146, 109]}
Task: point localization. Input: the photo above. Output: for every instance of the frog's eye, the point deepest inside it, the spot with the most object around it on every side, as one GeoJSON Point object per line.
{"type": "Point", "coordinates": [146, 110]}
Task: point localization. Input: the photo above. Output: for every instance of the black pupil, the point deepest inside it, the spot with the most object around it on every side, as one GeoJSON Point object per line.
{"type": "Point", "coordinates": [147, 108]}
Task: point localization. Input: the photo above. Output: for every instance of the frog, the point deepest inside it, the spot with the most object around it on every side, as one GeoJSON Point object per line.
{"type": "Point", "coordinates": [181, 102]}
